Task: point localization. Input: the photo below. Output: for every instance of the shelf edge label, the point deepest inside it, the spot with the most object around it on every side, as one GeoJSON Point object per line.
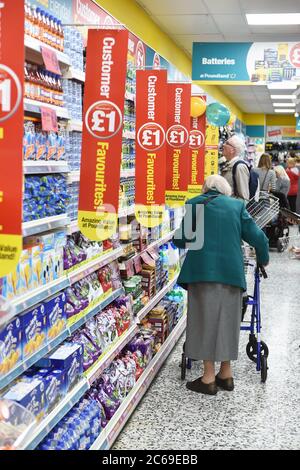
{"type": "Point", "coordinates": [11, 134]}
{"type": "Point", "coordinates": [102, 133]}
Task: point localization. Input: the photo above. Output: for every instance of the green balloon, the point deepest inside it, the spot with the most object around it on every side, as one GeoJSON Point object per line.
{"type": "Point", "coordinates": [217, 114]}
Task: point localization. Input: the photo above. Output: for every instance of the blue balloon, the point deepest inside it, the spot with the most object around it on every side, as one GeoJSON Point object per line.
{"type": "Point", "coordinates": [217, 114]}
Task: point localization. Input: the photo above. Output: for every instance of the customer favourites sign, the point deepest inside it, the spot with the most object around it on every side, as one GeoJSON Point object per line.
{"type": "Point", "coordinates": [11, 132]}
{"type": "Point", "coordinates": [102, 133]}
{"type": "Point", "coordinates": [151, 121]}
{"type": "Point", "coordinates": [178, 161]}
{"type": "Point", "coordinates": [197, 154]}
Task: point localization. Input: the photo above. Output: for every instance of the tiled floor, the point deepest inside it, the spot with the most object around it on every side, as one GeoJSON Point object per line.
{"type": "Point", "coordinates": [255, 415]}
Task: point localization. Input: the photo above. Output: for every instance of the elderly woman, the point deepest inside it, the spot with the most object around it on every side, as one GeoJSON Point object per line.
{"type": "Point", "coordinates": [214, 276]}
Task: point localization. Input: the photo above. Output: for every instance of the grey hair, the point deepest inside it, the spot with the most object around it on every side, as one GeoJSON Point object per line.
{"type": "Point", "coordinates": [217, 183]}
{"type": "Point", "coordinates": [238, 143]}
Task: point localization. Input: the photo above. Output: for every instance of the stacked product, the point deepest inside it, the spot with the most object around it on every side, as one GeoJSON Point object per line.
{"type": "Point", "coordinates": [73, 98]}
{"type": "Point", "coordinates": [41, 262]}
{"type": "Point", "coordinates": [44, 27]}
{"type": "Point", "coordinates": [40, 145]}
{"type": "Point", "coordinates": [41, 387]}
{"type": "Point", "coordinates": [127, 193]}
{"type": "Point", "coordinates": [45, 196]}
{"type": "Point", "coordinates": [28, 333]}
{"type": "Point", "coordinates": [72, 209]}
{"type": "Point", "coordinates": [74, 47]}
{"type": "Point", "coordinates": [128, 155]}
{"type": "Point", "coordinates": [43, 86]}
{"type": "Point", "coordinates": [133, 287]}
{"type": "Point", "coordinates": [78, 429]}
{"type": "Point", "coordinates": [73, 149]}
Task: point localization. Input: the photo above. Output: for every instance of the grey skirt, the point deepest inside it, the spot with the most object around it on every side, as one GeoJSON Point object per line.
{"type": "Point", "coordinates": [213, 322]}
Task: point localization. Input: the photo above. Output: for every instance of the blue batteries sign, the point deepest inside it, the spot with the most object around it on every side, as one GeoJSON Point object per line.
{"type": "Point", "coordinates": [298, 124]}
{"type": "Point", "coordinates": [246, 63]}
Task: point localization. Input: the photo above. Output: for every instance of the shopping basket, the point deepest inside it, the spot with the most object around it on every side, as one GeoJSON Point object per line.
{"type": "Point", "coordinates": [256, 349]}
{"type": "Point", "coordinates": [264, 209]}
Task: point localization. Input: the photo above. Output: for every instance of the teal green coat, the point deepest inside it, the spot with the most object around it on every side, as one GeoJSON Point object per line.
{"type": "Point", "coordinates": [226, 224]}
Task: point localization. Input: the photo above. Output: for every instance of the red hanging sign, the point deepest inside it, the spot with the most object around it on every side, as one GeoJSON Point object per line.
{"type": "Point", "coordinates": [151, 120]}
{"type": "Point", "coordinates": [11, 132]}
{"type": "Point", "coordinates": [197, 154]}
{"type": "Point", "coordinates": [49, 119]}
{"type": "Point", "coordinates": [178, 161]}
{"type": "Point", "coordinates": [50, 60]}
{"type": "Point", "coordinates": [102, 132]}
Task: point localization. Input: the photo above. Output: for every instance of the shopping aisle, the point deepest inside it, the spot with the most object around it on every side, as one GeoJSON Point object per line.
{"type": "Point", "coordinates": [254, 416]}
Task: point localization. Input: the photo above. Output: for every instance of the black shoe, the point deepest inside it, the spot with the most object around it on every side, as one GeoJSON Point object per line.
{"type": "Point", "coordinates": [225, 384]}
{"type": "Point", "coordinates": [200, 387]}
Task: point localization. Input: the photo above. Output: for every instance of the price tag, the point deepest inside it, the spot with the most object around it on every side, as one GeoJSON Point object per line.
{"type": "Point", "coordinates": [49, 119]}
{"type": "Point", "coordinates": [50, 60]}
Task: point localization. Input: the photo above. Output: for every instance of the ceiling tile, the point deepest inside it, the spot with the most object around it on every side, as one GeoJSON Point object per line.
{"type": "Point", "coordinates": [277, 31]}
{"type": "Point", "coordinates": [187, 24]}
{"type": "Point", "coordinates": [165, 7]}
{"type": "Point", "coordinates": [229, 23]}
{"type": "Point", "coordinates": [232, 37]}
{"type": "Point", "coordinates": [227, 7]}
{"type": "Point", "coordinates": [267, 6]}
{"type": "Point", "coordinates": [186, 41]}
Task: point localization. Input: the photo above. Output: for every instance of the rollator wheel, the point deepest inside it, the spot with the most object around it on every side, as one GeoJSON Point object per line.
{"type": "Point", "coordinates": [251, 350]}
{"type": "Point", "coordinates": [264, 368]}
{"type": "Point", "coordinates": [183, 366]}
{"type": "Point", "coordinates": [189, 364]}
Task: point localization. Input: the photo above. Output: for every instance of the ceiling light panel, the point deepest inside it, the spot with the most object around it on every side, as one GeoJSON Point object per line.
{"type": "Point", "coordinates": [285, 111]}
{"type": "Point", "coordinates": [272, 19]}
{"type": "Point", "coordinates": [284, 105]}
{"type": "Point", "coordinates": [283, 97]}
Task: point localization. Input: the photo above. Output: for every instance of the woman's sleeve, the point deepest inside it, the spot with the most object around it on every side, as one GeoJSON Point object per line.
{"type": "Point", "coordinates": [180, 240]}
{"type": "Point", "coordinates": [253, 235]}
{"type": "Point", "coordinates": [273, 181]}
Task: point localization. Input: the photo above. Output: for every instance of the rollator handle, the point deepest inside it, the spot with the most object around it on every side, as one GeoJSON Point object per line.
{"type": "Point", "coordinates": [262, 270]}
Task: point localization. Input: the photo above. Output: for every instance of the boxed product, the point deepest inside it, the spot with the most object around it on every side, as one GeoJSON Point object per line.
{"type": "Point", "coordinates": [29, 394]}
{"type": "Point", "coordinates": [67, 358]}
{"type": "Point", "coordinates": [11, 285]}
{"type": "Point", "coordinates": [53, 382]}
{"type": "Point", "coordinates": [56, 318]}
{"type": "Point", "coordinates": [25, 271]}
{"type": "Point", "coordinates": [34, 331]}
{"type": "Point", "coordinates": [10, 346]}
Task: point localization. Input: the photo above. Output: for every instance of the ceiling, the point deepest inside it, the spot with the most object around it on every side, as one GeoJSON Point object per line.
{"type": "Point", "coordinates": [188, 21]}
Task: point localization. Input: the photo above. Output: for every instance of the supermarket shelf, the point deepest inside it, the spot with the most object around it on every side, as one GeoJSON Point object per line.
{"type": "Point", "coordinates": [74, 177]}
{"type": "Point", "coordinates": [93, 265]}
{"type": "Point", "coordinates": [154, 244]}
{"type": "Point", "coordinates": [48, 423]}
{"type": "Point", "coordinates": [36, 296]}
{"type": "Point", "coordinates": [95, 310]}
{"type": "Point", "coordinates": [129, 135]}
{"type": "Point", "coordinates": [73, 227]}
{"type": "Point", "coordinates": [128, 173]}
{"type": "Point", "coordinates": [43, 225]}
{"type": "Point", "coordinates": [115, 426]}
{"type": "Point", "coordinates": [154, 301]}
{"type": "Point", "coordinates": [74, 74]}
{"type": "Point", "coordinates": [32, 106]}
{"type": "Point", "coordinates": [17, 371]}
{"type": "Point", "coordinates": [34, 46]}
{"type": "Point", "coordinates": [105, 360]}
{"type": "Point", "coordinates": [37, 168]}
{"type": "Point", "coordinates": [74, 125]}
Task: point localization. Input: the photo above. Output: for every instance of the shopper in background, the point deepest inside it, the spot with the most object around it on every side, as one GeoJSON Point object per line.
{"type": "Point", "coordinates": [236, 174]}
{"type": "Point", "coordinates": [282, 180]}
{"type": "Point", "coordinates": [267, 176]}
{"type": "Point", "coordinates": [293, 174]}
{"type": "Point", "coordinates": [215, 280]}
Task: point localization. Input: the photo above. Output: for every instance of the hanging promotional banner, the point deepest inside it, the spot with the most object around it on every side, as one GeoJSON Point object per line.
{"type": "Point", "coordinates": [211, 151]}
{"type": "Point", "coordinates": [102, 133]}
{"type": "Point", "coordinates": [246, 63]}
{"type": "Point", "coordinates": [280, 133]}
{"type": "Point", "coordinates": [197, 154]}
{"type": "Point", "coordinates": [11, 133]}
{"type": "Point", "coordinates": [150, 166]}
{"type": "Point", "coordinates": [178, 133]}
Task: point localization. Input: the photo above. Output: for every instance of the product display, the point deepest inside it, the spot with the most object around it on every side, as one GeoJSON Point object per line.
{"type": "Point", "coordinates": [73, 98]}
{"type": "Point", "coordinates": [44, 27]}
{"type": "Point", "coordinates": [39, 145]}
{"type": "Point", "coordinates": [42, 85]}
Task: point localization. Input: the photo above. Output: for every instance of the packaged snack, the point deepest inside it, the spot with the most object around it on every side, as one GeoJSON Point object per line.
{"type": "Point", "coordinates": [11, 284]}
{"type": "Point", "coordinates": [56, 317]}
{"type": "Point", "coordinates": [10, 346]}
{"type": "Point", "coordinates": [29, 393]}
{"type": "Point", "coordinates": [51, 145]}
{"type": "Point", "coordinates": [40, 143]}
{"type": "Point", "coordinates": [25, 271]}
{"type": "Point", "coordinates": [29, 150]}
{"type": "Point", "coordinates": [104, 276]}
{"type": "Point", "coordinates": [60, 240]}
{"type": "Point", "coordinates": [33, 330]}
{"type": "Point", "coordinates": [90, 351]}
{"type": "Point", "coordinates": [68, 358]}
{"type": "Point", "coordinates": [37, 265]}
